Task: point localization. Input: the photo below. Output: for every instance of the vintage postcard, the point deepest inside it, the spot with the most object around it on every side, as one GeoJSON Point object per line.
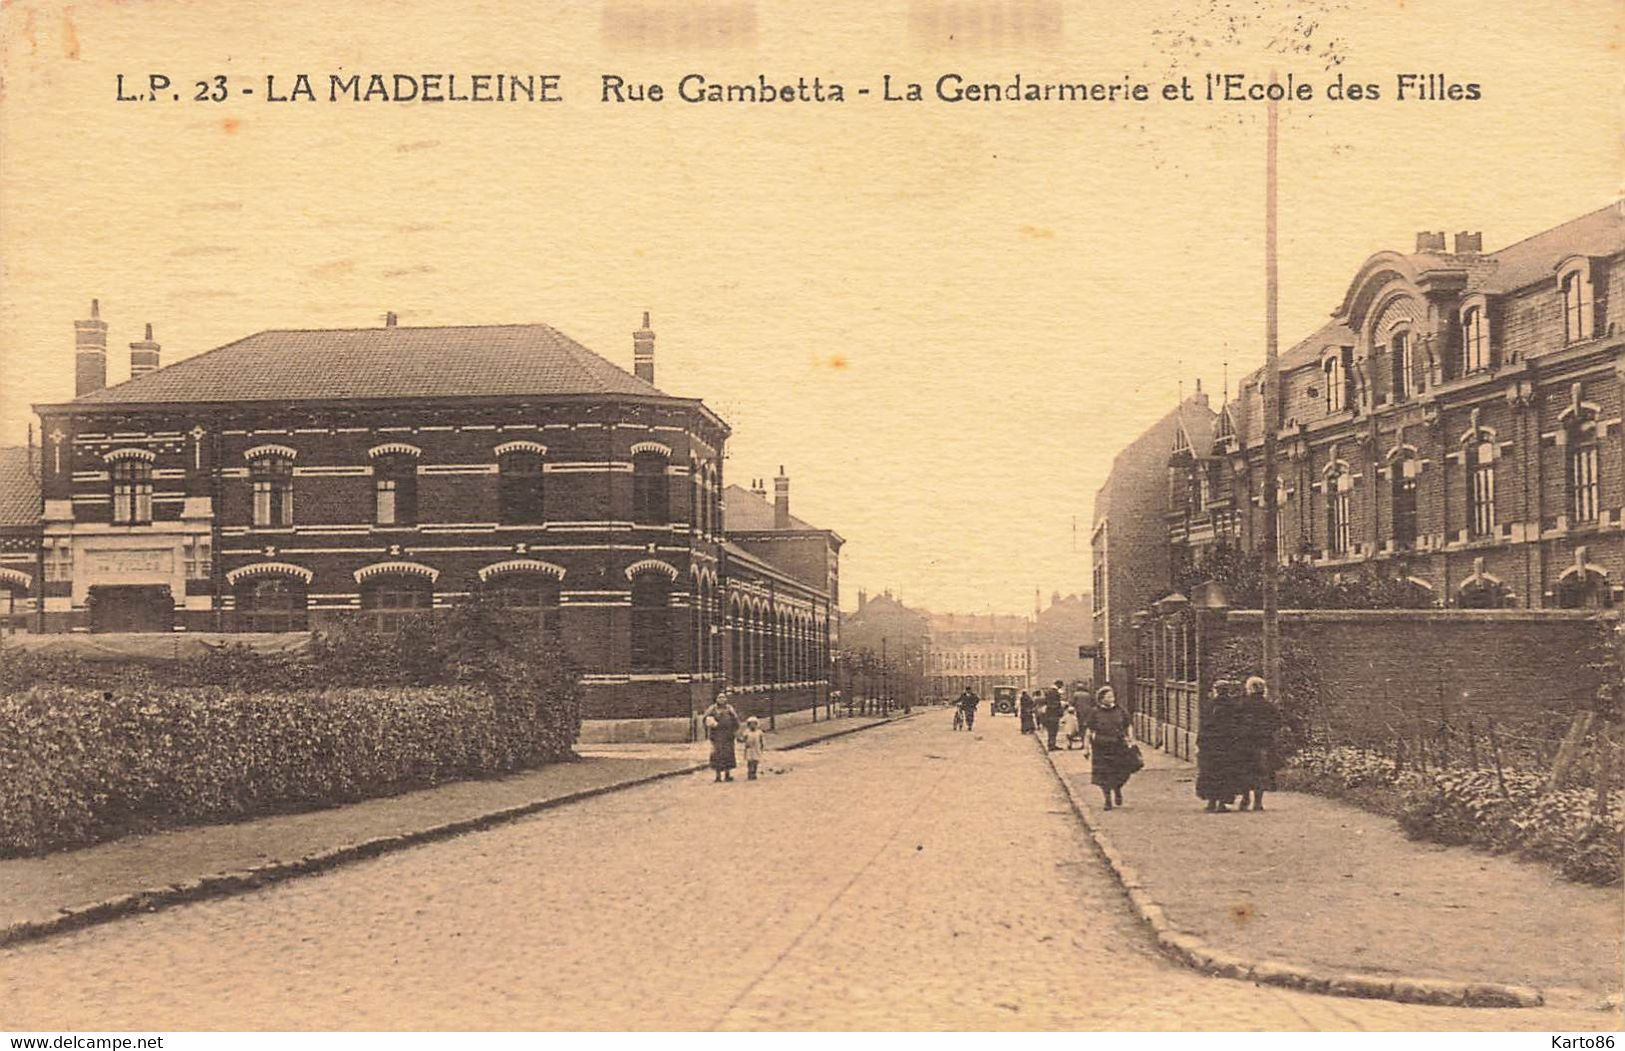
{"type": "Point", "coordinates": [918, 515]}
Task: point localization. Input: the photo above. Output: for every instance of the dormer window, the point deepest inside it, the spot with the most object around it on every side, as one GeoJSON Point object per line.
{"type": "Point", "coordinates": [1475, 341]}
{"type": "Point", "coordinates": [1334, 384]}
{"type": "Point", "coordinates": [1578, 307]}
{"type": "Point", "coordinates": [1399, 348]}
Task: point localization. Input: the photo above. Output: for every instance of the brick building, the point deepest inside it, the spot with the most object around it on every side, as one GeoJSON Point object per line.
{"type": "Point", "coordinates": [1129, 541]}
{"type": "Point", "coordinates": [295, 476]}
{"type": "Point", "coordinates": [1455, 425]}
{"type": "Point", "coordinates": [19, 535]}
{"type": "Point", "coordinates": [1451, 436]}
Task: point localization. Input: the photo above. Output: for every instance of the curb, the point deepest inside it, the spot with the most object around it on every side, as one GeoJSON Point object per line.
{"type": "Point", "coordinates": [1194, 952]}
{"type": "Point", "coordinates": [238, 881]}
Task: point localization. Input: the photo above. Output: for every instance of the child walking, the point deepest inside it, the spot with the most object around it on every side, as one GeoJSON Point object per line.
{"type": "Point", "coordinates": [755, 742]}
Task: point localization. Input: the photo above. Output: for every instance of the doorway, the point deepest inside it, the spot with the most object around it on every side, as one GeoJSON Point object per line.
{"type": "Point", "coordinates": [131, 607]}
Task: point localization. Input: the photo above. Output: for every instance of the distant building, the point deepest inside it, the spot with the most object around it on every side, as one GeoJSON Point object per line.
{"type": "Point", "coordinates": [1063, 636]}
{"type": "Point", "coordinates": [884, 628]}
{"type": "Point", "coordinates": [980, 651]}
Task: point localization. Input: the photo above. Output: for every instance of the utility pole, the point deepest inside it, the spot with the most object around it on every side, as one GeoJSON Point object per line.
{"type": "Point", "coordinates": [1272, 396]}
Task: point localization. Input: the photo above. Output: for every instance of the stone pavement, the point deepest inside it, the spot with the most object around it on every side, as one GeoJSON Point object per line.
{"type": "Point", "coordinates": [907, 877]}
{"type": "Point", "coordinates": [138, 871]}
{"type": "Point", "coordinates": [1336, 889]}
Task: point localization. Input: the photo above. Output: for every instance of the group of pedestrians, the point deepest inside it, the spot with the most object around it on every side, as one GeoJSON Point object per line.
{"type": "Point", "coordinates": [1105, 731]}
{"type": "Point", "coordinates": [724, 730]}
{"type": "Point", "coordinates": [1235, 746]}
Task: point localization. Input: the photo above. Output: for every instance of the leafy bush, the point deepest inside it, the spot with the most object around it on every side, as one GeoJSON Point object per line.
{"type": "Point", "coordinates": [1469, 807]}
{"type": "Point", "coordinates": [234, 733]}
{"type": "Point", "coordinates": [75, 769]}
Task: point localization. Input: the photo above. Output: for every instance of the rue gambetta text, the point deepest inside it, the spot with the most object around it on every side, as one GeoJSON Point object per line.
{"type": "Point", "coordinates": [618, 89]}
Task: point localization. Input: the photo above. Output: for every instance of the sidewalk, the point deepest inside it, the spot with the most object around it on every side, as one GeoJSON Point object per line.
{"type": "Point", "coordinates": [1336, 890]}
{"type": "Point", "coordinates": [68, 889]}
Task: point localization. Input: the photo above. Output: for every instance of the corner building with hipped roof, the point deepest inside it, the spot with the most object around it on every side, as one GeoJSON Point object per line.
{"type": "Point", "coordinates": [297, 476]}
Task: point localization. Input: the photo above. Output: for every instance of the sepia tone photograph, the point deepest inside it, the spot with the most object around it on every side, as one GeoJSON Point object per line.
{"type": "Point", "coordinates": [931, 516]}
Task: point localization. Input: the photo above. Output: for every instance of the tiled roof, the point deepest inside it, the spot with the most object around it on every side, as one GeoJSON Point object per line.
{"type": "Point", "coordinates": [1598, 233]}
{"type": "Point", "coordinates": [745, 512]}
{"type": "Point", "coordinates": [19, 488]}
{"type": "Point", "coordinates": [392, 362]}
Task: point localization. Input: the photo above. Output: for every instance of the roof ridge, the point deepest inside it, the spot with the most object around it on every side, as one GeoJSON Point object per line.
{"type": "Point", "coordinates": [1616, 203]}
{"type": "Point", "coordinates": [195, 357]}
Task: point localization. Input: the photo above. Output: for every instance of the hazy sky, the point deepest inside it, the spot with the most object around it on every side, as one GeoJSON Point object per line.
{"type": "Point", "coordinates": [943, 320]}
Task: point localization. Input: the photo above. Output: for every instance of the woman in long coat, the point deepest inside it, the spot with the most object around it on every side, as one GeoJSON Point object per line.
{"type": "Point", "coordinates": [1111, 733]}
{"type": "Point", "coordinates": [722, 726]}
{"type": "Point", "coordinates": [1025, 707]}
{"type": "Point", "coordinates": [1259, 720]}
{"type": "Point", "coordinates": [1218, 748]}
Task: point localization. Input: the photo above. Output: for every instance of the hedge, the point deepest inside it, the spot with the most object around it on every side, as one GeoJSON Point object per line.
{"type": "Point", "coordinates": [1507, 812]}
{"type": "Point", "coordinates": [75, 769]}
{"type": "Point", "coordinates": [236, 734]}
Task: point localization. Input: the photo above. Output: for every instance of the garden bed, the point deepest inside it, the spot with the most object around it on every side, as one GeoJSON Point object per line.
{"type": "Point", "coordinates": [1507, 811]}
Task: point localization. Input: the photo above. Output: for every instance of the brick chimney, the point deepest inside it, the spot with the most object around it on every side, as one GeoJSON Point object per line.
{"type": "Point", "coordinates": [390, 320]}
{"type": "Point", "coordinates": [781, 500]}
{"type": "Point", "coordinates": [1427, 241]}
{"type": "Point", "coordinates": [643, 352]}
{"type": "Point", "coordinates": [863, 598]}
{"type": "Point", "coordinates": [758, 486]}
{"type": "Point", "coordinates": [144, 356]}
{"type": "Point", "coordinates": [90, 353]}
{"type": "Point", "coordinates": [1469, 243]}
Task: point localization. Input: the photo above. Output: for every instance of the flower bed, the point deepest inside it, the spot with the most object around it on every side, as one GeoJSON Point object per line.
{"type": "Point", "coordinates": [1469, 807]}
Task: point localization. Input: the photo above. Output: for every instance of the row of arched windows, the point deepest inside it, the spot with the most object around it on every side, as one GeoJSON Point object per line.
{"type": "Point", "coordinates": [767, 646]}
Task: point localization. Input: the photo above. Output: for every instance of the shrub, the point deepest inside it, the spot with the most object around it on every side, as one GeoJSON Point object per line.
{"type": "Point", "coordinates": [1470, 807]}
{"type": "Point", "coordinates": [235, 733]}
{"type": "Point", "coordinates": [75, 769]}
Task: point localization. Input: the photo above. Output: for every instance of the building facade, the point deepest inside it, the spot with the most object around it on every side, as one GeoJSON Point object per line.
{"type": "Point", "coordinates": [1063, 636]}
{"type": "Point", "coordinates": [378, 474]}
{"type": "Point", "coordinates": [1129, 544]}
{"type": "Point", "coordinates": [979, 652]}
{"type": "Point", "coordinates": [1453, 429]}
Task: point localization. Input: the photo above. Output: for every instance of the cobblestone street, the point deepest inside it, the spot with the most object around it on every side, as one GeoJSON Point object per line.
{"type": "Point", "coordinates": [906, 877]}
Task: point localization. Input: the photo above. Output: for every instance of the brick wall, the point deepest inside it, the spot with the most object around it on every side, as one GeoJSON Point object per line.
{"type": "Point", "coordinates": [1522, 671]}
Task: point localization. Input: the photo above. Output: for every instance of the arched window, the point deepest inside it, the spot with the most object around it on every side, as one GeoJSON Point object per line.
{"type": "Point", "coordinates": [1339, 496]}
{"type": "Point", "coordinates": [1483, 593]}
{"type": "Point", "coordinates": [531, 596]}
{"type": "Point", "coordinates": [1584, 590]}
{"type": "Point", "coordinates": [1584, 490]}
{"type": "Point", "coordinates": [651, 623]}
{"type": "Point", "coordinates": [1402, 482]}
{"type": "Point", "coordinates": [1577, 307]}
{"type": "Point", "coordinates": [132, 492]}
{"type": "Point", "coordinates": [395, 483]}
{"type": "Point", "coordinates": [1400, 354]}
{"type": "Point", "coordinates": [699, 613]}
{"type": "Point", "coordinates": [651, 504]}
{"type": "Point", "coordinates": [521, 493]}
{"type": "Point", "coordinates": [390, 601]}
{"type": "Point", "coordinates": [736, 644]}
{"type": "Point", "coordinates": [1336, 388]}
{"type": "Point", "coordinates": [272, 479]}
{"type": "Point", "coordinates": [1480, 458]}
{"type": "Point", "coordinates": [1280, 517]}
{"type": "Point", "coordinates": [1475, 344]}
{"type": "Point", "coordinates": [271, 604]}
